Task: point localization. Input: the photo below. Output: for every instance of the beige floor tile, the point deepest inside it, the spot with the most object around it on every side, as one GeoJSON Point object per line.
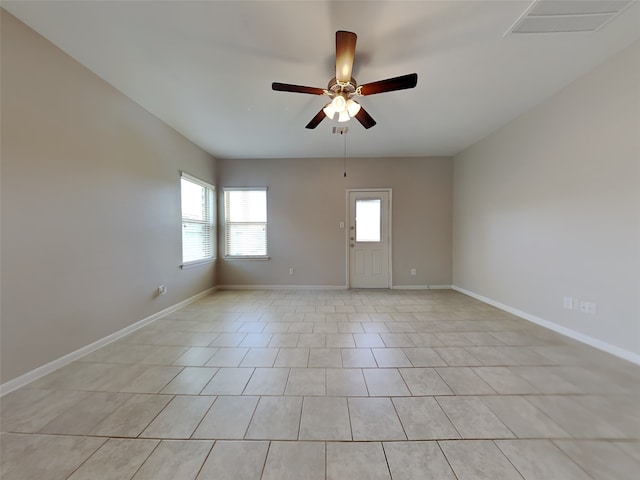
{"type": "Point", "coordinates": [350, 327]}
{"type": "Point", "coordinates": [424, 357]}
{"type": "Point", "coordinates": [289, 340]}
{"type": "Point", "coordinates": [574, 418]}
{"type": "Point", "coordinates": [390, 357]}
{"type": "Point", "coordinates": [348, 382]}
{"type": "Point", "coordinates": [325, 358]}
{"type": "Point", "coordinates": [43, 456]}
{"type": "Point", "coordinates": [481, 339]}
{"type": "Point", "coordinates": [325, 418]}
{"type": "Point", "coordinates": [423, 419]}
{"type": "Point", "coordinates": [504, 380]}
{"type": "Point", "coordinates": [306, 381]}
{"type": "Point", "coordinates": [190, 381]}
{"type": "Point", "coordinates": [602, 460]}
{"type": "Point", "coordinates": [356, 461]}
{"type": "Point", "coordinates": [424, 381]}
{"type": "Point", "coordinates": [294, 461]}
{"type": "Point", "coordinates": [152, 379]}
{"type": "Point", "coordinates": [527, 455]}
{"type": "Point", "coordinates": [117, 458]}
{"type": "Point", "coordinates": [397, 340]}
{"type": "Point", "coordinates": [227, 357]}
{"type": "Point", "coordinates": [306, 340]}
{"type": "Point", "coordinates": [478, 459]}
{"type": "Point", "coordinates": [28, 410]}
{"type": "Point", "coordinates": [522, 418]}
{"type": "Point", "coordinates": [374, 327]}
{"type": "Point", "coordinates": [228, 340]}
{"type": "Point", "coordinates": [175, 459]}
{"type": "Point", "coordinates": [260, 357]}
{"type": "Point", "coordinates": [464, 381]}
{"type": "Point", "coordinates": [228, 418]}
{"type": "Point", "coordinates": [180, 417]}
{"type": "Point", "coordinates": [545, 381]}
{"type": "Point", "coordinates": [324, 327]}
{"type": "Point", "coordinates": [358, 358]}
{"type": "Point", "coordinates": [195, 356]}
{"type": "Point", "coordinates": [235, 461]}
{"type": "Point", "coordinates": [85, 415]}
{"type": "Point", "coordinates": [292, 357]}
{"type": "Point", "coordinates": [340, 340]}
{"type": "Point", "coordinates": [300, 327]}
{"type": "Point", "coordinates": [256, 340]}
{"type": "Point", "coordinates": [132, 417]}
{"type": "Point", "coordinates": [228, 381]}
{"type": "Point", "coordinates": [457, 356]}
{"type": "Point", "coordinates": [276, 418]}
{"type": "Point", "coordinates": [267, 381]}
{"type": "Point", "coordinates": [473, 419]}
{"type": "Point", "coordinates": [425, 339]}
{"type": "Point", "coordinates": [368, 340]}
{"type": "Point", "coordinates": [385, 382]}
{"type": "Point", "coordinates": [417, 461]}
{"type": "Point", "coordinates": [374, 419]}
{"type": "Point", "coordinates": [163, 355]}
{"type": "Point", "coordinates": [631, 448]}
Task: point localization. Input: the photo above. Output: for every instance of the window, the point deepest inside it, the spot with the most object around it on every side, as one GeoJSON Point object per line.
{"type": "Point", "coordinates": [368, 224]}
{"type": "Point", "coordinates": [198, 220]}
{"type": "Point", "coordinates": [245, 217]}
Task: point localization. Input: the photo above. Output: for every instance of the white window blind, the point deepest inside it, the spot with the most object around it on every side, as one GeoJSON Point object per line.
{"type": "Point", "coordinates": [198, 220]}
{"type": "Point", "coordinates": [245, 213]}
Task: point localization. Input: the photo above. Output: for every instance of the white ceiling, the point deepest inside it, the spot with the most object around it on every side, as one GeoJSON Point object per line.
{"type": "Point", "coordinates": [206, 67]}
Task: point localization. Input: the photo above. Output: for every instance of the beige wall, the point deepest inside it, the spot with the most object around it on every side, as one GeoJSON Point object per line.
{"type": "Point", "coordinates": [307, 200]}
{"type": "Point", "coordinates": [90, 206]}
{"type": "Point", "coordinates": [549, 206]}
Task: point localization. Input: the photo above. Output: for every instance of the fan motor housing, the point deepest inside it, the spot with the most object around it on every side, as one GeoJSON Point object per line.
{"type": "Point", "coordinates": [348, 88]}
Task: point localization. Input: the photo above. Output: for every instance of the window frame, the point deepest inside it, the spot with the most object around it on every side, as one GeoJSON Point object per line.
{"type": "Point", "coordinates": [227, 256]}
{"type": "Point", "coordinates": [211, 221]}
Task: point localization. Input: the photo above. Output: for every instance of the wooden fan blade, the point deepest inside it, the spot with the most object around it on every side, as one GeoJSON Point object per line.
{"type": "Point", "coordinates": [345, 53]}
{"type": "Point", "coordinates": [285, 87]}
{"type": "Point", "coordinates": [364, 118]}
{"type": "Point", "coordinates": [390, 84]}
{"type": "Point", "coordinates": [315, 121]}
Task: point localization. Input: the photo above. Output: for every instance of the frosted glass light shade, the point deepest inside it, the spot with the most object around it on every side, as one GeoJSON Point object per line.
{"type": "Point", "coordinates": [339, 103]}
{"type": "Point", "coordinates": [352, 107]}
{"type": "Point", "coordinates": [329, 111]}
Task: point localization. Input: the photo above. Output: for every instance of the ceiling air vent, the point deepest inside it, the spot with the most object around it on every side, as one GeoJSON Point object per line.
{"type": "Point", "coordinates": [568, 16]}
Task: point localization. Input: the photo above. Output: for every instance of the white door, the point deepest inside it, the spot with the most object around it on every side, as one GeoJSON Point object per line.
{"type": "Point", "coordinates": [369, 242]}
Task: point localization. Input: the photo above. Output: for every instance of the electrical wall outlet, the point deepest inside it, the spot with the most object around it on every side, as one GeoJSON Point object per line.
{"type": "Point", "coordinates": [162, 290]}
{"type": "Point", "coordinates": [292, 271]}
{"type": "Point", "coordinates": [570, 303]}
{"type": "Point", "coordinates": [588, 307]}
{"type": "Point", "coordinates": [413, 272]}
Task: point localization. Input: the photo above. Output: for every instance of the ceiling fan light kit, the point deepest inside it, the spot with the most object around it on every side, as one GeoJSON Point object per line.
{"type": "Point", "coordinates": [343, 86]}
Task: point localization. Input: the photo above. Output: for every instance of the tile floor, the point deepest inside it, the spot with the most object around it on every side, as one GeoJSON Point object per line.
{"type": "Point", "coordinates": [330, 385]}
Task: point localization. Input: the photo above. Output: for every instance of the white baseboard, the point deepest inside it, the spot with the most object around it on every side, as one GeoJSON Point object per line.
{"type": "Point", "coordinates": [581, 337]}
{"type": "Point", "coordinates": [43, 370]}
{"type": "Point", "coordinates": [282, 287]}
{"type": "Point", "coordinates": [421, 287]}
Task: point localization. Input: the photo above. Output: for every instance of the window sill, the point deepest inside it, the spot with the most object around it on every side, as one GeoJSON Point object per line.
{"type": "Point", "coordinates": [197, 263]}
{"type": "Point", "coordinates": [247, 257]}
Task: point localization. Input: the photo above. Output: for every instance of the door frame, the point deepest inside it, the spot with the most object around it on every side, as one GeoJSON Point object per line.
{"type": "Point", "coordinates": [348, 231]}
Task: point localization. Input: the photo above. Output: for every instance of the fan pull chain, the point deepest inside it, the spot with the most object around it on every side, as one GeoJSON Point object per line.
{"type": "Point", "coordinates": [345, 154]}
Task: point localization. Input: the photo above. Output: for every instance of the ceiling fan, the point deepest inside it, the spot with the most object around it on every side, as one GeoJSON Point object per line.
{"type": "Point", "coordinates": [343, 86]}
